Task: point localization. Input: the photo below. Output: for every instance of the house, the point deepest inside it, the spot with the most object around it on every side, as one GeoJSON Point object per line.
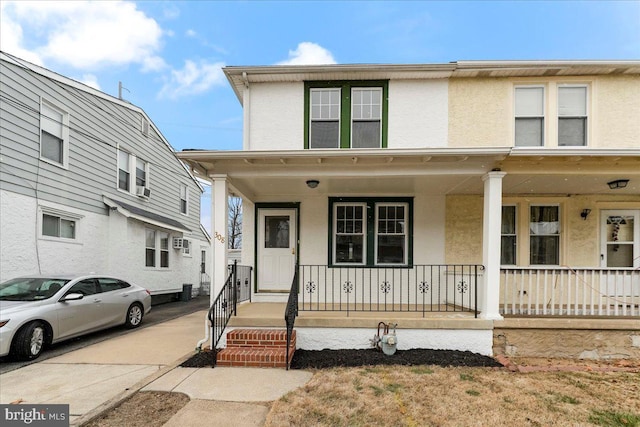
{"type": "Point", "coordinates": [89, 184]}
{"type": "Point", "coordinates": [467, 202]}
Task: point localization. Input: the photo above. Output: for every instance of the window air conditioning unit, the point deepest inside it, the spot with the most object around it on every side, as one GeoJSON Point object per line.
{"type": "Point", "coordinates": [177, 243]}
{"type": "Point", "coordinates": [143, 191]}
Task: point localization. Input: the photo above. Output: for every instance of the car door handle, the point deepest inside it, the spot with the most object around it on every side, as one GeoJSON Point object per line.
{"type": "Point", "coordinates": [97, 300]}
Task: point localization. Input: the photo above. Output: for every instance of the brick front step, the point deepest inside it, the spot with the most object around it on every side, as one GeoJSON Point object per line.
{"type": "Point", "coordinates": [265, 348]}
{"type": "Point", "coordinates": [259, 338]}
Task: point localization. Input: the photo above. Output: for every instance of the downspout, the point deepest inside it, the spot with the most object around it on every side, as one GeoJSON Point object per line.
{"type": "Point", "coordinates": [246, 106]}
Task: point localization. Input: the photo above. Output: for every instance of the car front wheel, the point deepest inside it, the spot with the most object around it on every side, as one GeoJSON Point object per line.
{"type": "Point", "coordinates": [134, 316]}
{"type": "Point", "coordinates": [29, 341]}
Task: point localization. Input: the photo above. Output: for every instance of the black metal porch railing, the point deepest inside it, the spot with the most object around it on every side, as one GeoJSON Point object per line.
{"type": "Point", "coordinates": [235, 289]}
{"type": "Point", "coordinates": [419, 288]}
{"type": "Point", "coordinates": [291, 311]}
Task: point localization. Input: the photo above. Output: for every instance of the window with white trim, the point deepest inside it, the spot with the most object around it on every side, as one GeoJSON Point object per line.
{"type": "Point", "coordinates": [164, 249]}
{"type": "Point", "coordinates": [544, 235]}
{"type": "Point", "coordinates": [366, 117]}
{"type": "Point", "coordinates": [324, 127]}
{"type": "Point", "coordinates": [54, 134]}
{"type": "Point", "coordinates": [150, 248]}
{"type": "Point", "coordinates": [186, 247]}
{"type": "Point", "coordinates": [572, 115]}
{"type": "Point", "coordinates": [156, 248]}
{"type": "Point", "coordinates": [133, 173]}
{"type": "Point", "coordinates": [370, 231]}
{"type": "Point", "coordinates": [391, 233]}
{"type": "Point", "coordinates": [350, 229]}
{"type": "Point", "coordinates": [343, 114]}
{"type": "Point", "coordinates": [58, 226]}
{"type": "Point", "coordinates": [509, 237]}
{"type": "Point", "coordinates": [529, 116]}
{"type": "Point", "coordinates": [184, 199]}
{"type": "Point", "coordinates": [124, 170]}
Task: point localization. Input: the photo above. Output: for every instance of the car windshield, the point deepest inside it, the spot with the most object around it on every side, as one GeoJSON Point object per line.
{"type": "Point", "coordinates": [30, 289]}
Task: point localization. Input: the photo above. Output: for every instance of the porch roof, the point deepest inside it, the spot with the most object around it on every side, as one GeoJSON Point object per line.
{"type": "Point", "coordinates": [256, 174]}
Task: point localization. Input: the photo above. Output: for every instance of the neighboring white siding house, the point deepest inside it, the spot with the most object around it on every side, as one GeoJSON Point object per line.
{"type": "Point", "coordinates": [89, 184]}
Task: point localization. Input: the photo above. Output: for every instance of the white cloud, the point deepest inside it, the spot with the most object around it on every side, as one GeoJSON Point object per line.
{"type": "Point", "coordinates": [90, 80]}
{"type": "Point", "coordinates": [190, 33]}
{"type": "Point", "coordinates": [192, 79]}
{"type": "Point", "coordinates": [85, 35]}
{"type": "Point", "coordinates": [309, 53]}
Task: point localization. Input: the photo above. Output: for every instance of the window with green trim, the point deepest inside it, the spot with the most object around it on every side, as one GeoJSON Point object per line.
{"type": "Point", "coordinates": [370, 231]}
{"type": "Point", "coordinates": [345, 114]}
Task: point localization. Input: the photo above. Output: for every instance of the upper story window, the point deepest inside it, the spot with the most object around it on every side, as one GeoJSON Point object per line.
{"type": "Point", "coordinates": [184, 199]}
{"type": "Point", "coordinates": [133, 174]}
{"type": "Point", "coordinates": [345, 114]}
{"type": "Point", "coordinates": [572, 116]}
{"type": "Point", "coordinates": [124, 168]}
{"type": "Point", "coordinates": [529, 112]}
{"type": "Point", "coordinates": [54, 134]}
{"type": "Point", "coordinates": [568, 102]}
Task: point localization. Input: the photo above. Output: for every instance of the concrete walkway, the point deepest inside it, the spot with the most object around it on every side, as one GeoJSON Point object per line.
{"type": "Point", "coordinates": [98, 377]}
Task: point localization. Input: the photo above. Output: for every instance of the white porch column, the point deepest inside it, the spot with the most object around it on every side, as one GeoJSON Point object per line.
{"type": "Point", "coordinates": [219, 218]}
{"type": "Point", "coordinates": [491, 240]}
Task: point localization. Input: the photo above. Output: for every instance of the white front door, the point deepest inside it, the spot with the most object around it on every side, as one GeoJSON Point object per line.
{"type": "Point", "coordinates": [277, 238]}
{"type": "Point", "coordinates": [620, 249]}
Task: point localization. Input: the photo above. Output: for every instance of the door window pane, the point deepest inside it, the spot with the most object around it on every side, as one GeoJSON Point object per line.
{"type": "Point", "coordinates": [276, 232]}
{"type": "Point", "coordinates": [620, 236]}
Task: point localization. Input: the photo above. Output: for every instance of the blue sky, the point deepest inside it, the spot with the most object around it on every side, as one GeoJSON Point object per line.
{"type": "Point", "coordinates": [169, 55]}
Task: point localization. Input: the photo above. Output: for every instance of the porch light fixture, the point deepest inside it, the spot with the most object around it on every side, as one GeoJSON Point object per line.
{"type": "Point", "coordinates": [585, 213]}
{"type": "Point", "coordinates": [312, 183]}
{"type": "Point", "coordinates": [618, 183]}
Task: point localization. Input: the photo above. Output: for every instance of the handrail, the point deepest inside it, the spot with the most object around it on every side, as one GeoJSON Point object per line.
{"type": "Point", "coordinates": [291, 311]}
{"type": "Point", "coordinates": [221, 310]}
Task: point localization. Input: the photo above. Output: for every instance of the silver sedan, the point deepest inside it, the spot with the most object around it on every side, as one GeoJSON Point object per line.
{"type": "Point", "coordinates": [38, 311]}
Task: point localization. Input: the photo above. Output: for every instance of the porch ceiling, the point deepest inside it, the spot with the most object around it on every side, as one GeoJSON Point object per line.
{"type": "Point", "coordinates": [282, 175]}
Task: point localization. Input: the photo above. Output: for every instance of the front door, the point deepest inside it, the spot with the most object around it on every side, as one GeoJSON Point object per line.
{"type": "Point", "coordinates": [277, 241]}
{"type": "Point", "coordinates": [620, 250]}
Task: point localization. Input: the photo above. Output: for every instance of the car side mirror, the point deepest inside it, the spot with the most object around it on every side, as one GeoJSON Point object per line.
{"type": "Point", "coordinates": [71, 297]}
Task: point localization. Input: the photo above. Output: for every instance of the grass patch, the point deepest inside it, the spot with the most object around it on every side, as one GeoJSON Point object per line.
{"type": "Point", "coordinates": [393, 387]}
{"type": "Point", "coordinates": [422, 370]}
{"type": "Point", "coordinates": [614, 419]}
{"type": "Point", "coordinates": [473, 392]}
{"type": "Point", "coordinates": [466, 377]}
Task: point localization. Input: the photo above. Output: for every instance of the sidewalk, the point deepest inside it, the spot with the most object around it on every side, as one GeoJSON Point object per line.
{"type": "Point", "coordinates": [96, 378]}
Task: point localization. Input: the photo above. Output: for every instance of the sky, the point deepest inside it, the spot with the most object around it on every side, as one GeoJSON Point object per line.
{"type": "Point", "coordinates": [169, 54]}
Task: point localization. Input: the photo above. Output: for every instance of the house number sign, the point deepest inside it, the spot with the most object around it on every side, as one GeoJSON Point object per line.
{"type": "Point", "coordinates": [219, 236]}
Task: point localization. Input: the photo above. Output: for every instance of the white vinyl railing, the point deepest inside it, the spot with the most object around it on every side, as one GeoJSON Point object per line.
{"type": "Point", "coordinates": [566, 291]}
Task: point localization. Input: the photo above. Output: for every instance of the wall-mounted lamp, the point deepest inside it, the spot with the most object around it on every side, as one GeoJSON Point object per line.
{"type": "Point", "coordinates": [618, 183]}
{"type": "Point", "coordinates": [312, 183]}
{"type": "Point", "coordinates": [585, 213]}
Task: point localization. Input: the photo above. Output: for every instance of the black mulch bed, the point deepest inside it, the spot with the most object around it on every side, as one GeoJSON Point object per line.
{"type": "Point", "coordinates": [312, 359]}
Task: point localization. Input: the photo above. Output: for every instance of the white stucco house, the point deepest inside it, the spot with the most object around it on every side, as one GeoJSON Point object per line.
{"type": "Point", "coordinates": [447, 198]}
{"type": "Point", "coordinates": [88, 183]}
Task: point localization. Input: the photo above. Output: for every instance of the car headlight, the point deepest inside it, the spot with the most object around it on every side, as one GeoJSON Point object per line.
{"type": "Point", "coordinates": [4, 322]}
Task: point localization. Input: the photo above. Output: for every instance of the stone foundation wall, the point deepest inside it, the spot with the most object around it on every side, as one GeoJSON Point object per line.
{"type": "Point", "coordinates": [597, 344]}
